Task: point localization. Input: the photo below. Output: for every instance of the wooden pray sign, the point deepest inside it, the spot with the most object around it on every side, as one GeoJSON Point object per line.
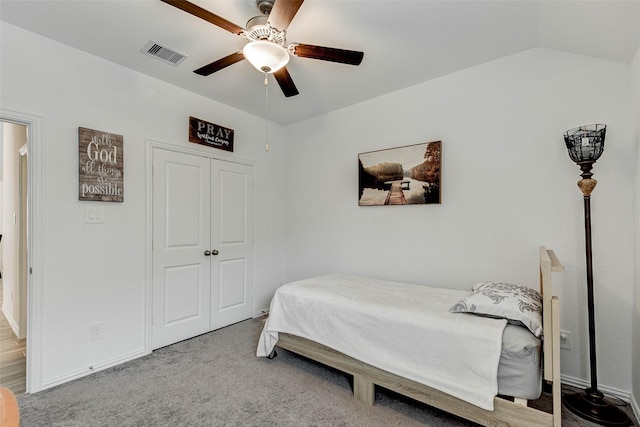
{"type": "Point", "coordinates": [205, 133]}
{"type": "Point", "coordinates": [101, 172]}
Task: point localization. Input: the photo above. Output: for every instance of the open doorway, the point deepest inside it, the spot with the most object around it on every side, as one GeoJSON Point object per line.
{"type": "Point", "coordinates": [13, 256]}
{"type": "Point", "coordinates": [32, 227]}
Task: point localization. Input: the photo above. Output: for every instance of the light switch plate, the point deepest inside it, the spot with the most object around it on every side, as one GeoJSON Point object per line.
{"type": "Point", "coordinates": [93, 215]}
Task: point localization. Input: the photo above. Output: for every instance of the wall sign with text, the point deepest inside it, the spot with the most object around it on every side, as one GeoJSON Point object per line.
{"type": "Point", "coordinates": [101, 172]}
{"type": "Point", "coordinates": [203, 132]}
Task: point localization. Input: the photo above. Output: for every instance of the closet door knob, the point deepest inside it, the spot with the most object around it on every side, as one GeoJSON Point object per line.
{"type": "Point", "coordinates": [207, 252]}
{"type": "Point", "coordinates": [214, 252]}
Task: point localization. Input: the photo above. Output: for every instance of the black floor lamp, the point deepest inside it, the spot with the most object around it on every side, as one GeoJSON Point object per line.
{"type": "Point", "coordinates": [585, 145]}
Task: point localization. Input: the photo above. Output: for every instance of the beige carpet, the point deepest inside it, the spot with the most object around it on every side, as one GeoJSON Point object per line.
{"type": "Point", "coordinates": [216, 380]}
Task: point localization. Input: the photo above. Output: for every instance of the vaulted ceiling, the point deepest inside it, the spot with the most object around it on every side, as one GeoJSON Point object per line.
{"type": "Point", "coordinates": [405, 42]}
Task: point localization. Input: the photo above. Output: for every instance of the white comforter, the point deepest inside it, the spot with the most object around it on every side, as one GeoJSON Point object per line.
{"type": "Point", "coordinates": [400, 328]}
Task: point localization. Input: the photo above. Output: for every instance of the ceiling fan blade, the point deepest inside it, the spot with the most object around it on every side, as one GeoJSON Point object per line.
{"type": "Point", "coordinates": [283, 12]}
{"type": "Point", "coordinates": [286, 82]}
{"type": "Point", "coordinates": [201, 13]}
{"type": "Point", "coordinates": [342, 56]}
{"type": "Point", "coordinates": [220, 64]}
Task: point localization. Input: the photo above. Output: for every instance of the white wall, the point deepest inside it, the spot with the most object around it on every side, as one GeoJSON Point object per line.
{"type": "Point", "coordinates": [96, 273]}
{"type": "Point", "coordinates": [508, 186]}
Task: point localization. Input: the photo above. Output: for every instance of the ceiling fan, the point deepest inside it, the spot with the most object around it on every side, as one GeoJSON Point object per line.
{"type": "Point", "coordinates": [266, 49]}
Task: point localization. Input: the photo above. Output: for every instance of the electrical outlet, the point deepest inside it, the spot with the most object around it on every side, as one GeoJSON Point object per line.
{"type": "Point", "coordinates": [95, 331]}
{"type": "Point", "coordinates": [566, 338]}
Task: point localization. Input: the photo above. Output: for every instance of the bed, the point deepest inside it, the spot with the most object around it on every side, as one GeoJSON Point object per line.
{"type": "Point", "coordinates": [423, 342]}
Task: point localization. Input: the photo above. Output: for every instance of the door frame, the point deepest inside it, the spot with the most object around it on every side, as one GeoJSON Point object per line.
{"type": "Point", "coordinates": [35, 241]}
{"type": "Point", "coordinates": [196, 150]}
{"type": "Point", "coordinates": [23, 256]}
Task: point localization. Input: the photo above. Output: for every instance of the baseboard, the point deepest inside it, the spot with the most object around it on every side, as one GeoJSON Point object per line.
{"type": "Point", "coordinates": [262, 312]}
{"type": "Point", "coordinates": [635, 407]}
{"type": "Point", "coordinates": [608, 391]}
{"type": "Point", "coordinates": [91, 369]}
{"type": "Point", "coordinates": [12, 322]}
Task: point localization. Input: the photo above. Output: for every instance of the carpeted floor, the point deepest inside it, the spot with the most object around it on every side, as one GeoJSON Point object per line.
{"type": "Point", "coordinates": [216, 380]}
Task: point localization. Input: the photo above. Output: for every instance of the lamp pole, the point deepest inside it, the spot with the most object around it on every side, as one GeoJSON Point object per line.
{"type": "Point", "coordinates": [587, 185]}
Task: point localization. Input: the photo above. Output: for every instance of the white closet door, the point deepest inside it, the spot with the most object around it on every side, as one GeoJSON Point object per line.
{"type": "Point", "coordinates": [181, 235]}
{"type": "Point", "coordinates": [232, 243]}
{"type": "Point", "coordinates": [202, 245]}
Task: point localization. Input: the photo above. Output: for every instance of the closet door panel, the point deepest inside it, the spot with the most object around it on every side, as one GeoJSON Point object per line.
{"type": "Point", "coordinates": [233, 284]}
{"type": "Point", "coordinates": [181, 291]}
{"type": "Point", "coordinates": [232, 238]}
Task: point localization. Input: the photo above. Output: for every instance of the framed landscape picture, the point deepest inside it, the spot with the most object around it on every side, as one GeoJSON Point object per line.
{"type": "Point", "coordinates": [408, 175]}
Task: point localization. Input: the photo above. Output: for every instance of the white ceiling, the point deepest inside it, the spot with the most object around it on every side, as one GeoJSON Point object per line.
{"type": "Point", "coordinates": [405, 42]}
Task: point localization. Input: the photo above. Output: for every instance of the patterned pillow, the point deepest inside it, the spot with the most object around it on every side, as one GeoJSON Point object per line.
{"type": "Point", "coordinates": [518, 304]}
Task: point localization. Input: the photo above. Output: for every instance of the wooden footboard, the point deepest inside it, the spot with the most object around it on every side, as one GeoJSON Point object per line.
{"type": "Point", "coordinates": [505, 413]}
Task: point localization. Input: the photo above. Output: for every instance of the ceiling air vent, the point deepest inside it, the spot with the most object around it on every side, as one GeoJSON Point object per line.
{"type": "Point", "coordinates": [162, 53]}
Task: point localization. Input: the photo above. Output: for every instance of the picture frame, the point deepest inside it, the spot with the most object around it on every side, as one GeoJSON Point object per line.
{"type": "Point", "coordinates": [210, 134]}
{"type": "Point", "coordinates": [408, 175]}
{"type": "Point", "coordinates": [101, 166]}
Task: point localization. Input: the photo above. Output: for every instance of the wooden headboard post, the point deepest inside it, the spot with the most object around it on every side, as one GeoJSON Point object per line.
{"type": "Point", "coordinates": [548, 263]}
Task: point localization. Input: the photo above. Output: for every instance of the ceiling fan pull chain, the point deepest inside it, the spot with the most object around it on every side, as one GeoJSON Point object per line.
{"type": "Point", "coordinates": [266, 109]}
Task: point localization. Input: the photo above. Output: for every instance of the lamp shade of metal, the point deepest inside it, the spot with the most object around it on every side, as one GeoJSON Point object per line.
{"type": "Point", "coordinates": [585, 143]}
{"type": "Point", "coordinates": [266, 56]}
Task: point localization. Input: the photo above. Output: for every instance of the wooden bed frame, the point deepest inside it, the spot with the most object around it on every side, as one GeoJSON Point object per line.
{"type": "Point", "coordinates": [506, 412]}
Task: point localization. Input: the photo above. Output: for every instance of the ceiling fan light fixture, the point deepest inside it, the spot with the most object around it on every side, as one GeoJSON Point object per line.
{"type": "Point", "coordinates": [266, 56]}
